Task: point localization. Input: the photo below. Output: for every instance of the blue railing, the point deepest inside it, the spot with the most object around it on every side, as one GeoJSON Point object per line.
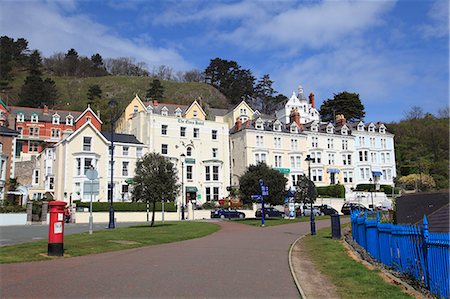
{"type": "Point", "coordinates": [408, 249]}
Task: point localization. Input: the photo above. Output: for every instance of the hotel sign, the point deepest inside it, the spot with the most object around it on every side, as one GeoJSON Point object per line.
{"type": "Point", "coordinates": [190, 122]}
{"type": "Point", "coordinates": [283, 170]}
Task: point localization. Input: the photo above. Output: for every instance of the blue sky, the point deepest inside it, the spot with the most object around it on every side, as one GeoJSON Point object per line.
{"type": "Point", "coordinates": [395, 54]}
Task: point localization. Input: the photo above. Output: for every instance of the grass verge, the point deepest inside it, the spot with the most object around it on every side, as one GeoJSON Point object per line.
{"type": "Point", "coordinates": [110, 240]}
{"type": "Point", "coordinates": [352, 279]}
{"type": "Point", "coordinates": [278, 221]}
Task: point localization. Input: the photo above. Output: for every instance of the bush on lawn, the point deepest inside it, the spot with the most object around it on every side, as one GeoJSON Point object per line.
{"type": "Point", "coordinates": [335, 191]}
{"type": "Point", "coordinates": [383, 188]}
{"type": "Point", "coordinates": [12, 209]}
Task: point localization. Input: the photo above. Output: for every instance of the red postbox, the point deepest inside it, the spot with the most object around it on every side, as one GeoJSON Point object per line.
{"type": "Point", "coordinates": [56, 228]}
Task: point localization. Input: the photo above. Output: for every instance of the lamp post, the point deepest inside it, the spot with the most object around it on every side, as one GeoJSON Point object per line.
{"type": "Point", "coordinates": [311, 214]}
{"type": "Point", "coordinates": [183, 157]}
{"type": "Point", "coordinates": [112, 103]}
{"type": "Point", "coordinates": [371, 190]}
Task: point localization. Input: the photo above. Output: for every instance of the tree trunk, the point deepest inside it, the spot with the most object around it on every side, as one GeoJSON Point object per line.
{"type": "Point", "coordinates": [153, 214]}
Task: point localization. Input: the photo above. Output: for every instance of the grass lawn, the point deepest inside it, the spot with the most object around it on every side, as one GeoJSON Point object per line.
{"type": "Point", "coordinates": [352, 279]}
{"type": "Point", "coordinates": [110, 240]}
{"type": "Point", "coordinates": [278, 221]}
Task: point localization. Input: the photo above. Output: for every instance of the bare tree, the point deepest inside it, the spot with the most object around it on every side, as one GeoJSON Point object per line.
{"type": "Point", "coordinates": [163, 72]}
{"type": "Point", "coordinates": [415, 112]}
{"type": "Point", "coordinates": [444, 112]}
{"type": "Point", "coordinates": [193, 75]}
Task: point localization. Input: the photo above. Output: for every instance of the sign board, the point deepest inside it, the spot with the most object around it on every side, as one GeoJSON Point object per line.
{"type": "Point", "coordinates": [91, 188]}
{"type": "Point", "coordinates": [256, 197]}
{"type": "Point", "coordinates": [283, 170]}
{"type": "Point", "coordinates": [199, 196]}
{"type": "Point", "coordinates": [189, 161]}
{"type": "Point", "coordinates": [57, 228]}
{"type": "Point", "coordinates": [264, 190]}
{"type": "Point", "coordinates": [92, 174]}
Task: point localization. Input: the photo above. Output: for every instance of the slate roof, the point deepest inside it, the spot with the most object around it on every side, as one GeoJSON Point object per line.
{"type": "Point", "coordinates": [28, 111]}
{"type": "Point", "coordinates": [267, 126]}
{"type": "Point", "coordinates": [8, 132]}
{"type": "Point", "coordinates": [170, 107]}
{"type": "Point", "coordinates": [218, 112]}
{"type": "Point", "coordinates": [121, 138]}
{"type": "Point", "coordinates": [439, 221]}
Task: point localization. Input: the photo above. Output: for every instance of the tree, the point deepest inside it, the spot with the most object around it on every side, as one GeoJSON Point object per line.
{"type": "Point", "coordinates": [71, 62]}
{"type": "Point", "coordinates": [94, 92]}
{"type": "Point", "coordinates": [155, 180]}
{"type": "Point", "coordinates": [345, 103]}
{"type": "Point", "coordinates": [193, 75]}
{"type": "Point", "coordinates": [415, 112]}
{"type": "Point", "coordinates": [163, 72]}
{"type": "Point", "coordinates": [98, 69]}
{"type": "Point", "coordinates": [35, 91]}
{"type": "Point", "coordinates": [155, 90]}
{"type": "Point", "coordinates": [302, 193]}
{"type": "Point", "coordinates": [249, 184]}
{"type": "Point", "coordinates": [265, 96]}
{"type": "Point", "coordinates": [416, 181]}
{"type": "Point", "coordinates": [444, 112]}
{"type": "Point", "coordinates": [228, 77]}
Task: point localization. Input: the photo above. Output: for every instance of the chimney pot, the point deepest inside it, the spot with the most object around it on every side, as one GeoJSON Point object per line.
{"type": "Point", "coordinates": [155, 103]}
{"type": "Point", "coordinates": [238, 124]}
{"type": "Point", "coordinates": [45, 109]}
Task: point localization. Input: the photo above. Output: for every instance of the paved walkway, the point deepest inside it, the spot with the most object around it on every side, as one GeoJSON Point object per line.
{"type": "Point", "coordinates": [239, 261]}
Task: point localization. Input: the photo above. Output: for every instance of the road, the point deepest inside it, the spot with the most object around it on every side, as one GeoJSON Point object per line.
{"type": "Point", "coordinates": [238, 261]}
{"type": "Point", "coordinates": [16, 234]}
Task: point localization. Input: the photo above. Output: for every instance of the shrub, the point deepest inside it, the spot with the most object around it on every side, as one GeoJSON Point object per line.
{"type": "Point", "coordinates": [336, 191]}
{"type": "Point", "coordinates": [209, 205]}
{"type": "Point", "coordinates": [126, 206]}
{"type": "Point", "coordinates": [12, 209]}
{"type": "Point", "coordinates": [383, 188]}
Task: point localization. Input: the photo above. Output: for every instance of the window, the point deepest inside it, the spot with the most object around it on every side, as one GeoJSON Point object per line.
{"type": "Point", "coordinates": [361, 127]}
{"type": "Point", "coordinates": [345, 144]}
{"type": "Point", "coordinates": [260, 158]}
{"type": "Point", "coordinates": [314, 141]}
{"type": "Point", "coordinates": [294, 128]}
{"type": "Point", "coordinates": [207, 173]}
{"type": "Point", "coordinates": [196, 132]}
{"type": "Point", "coordinates": [20, 129]}
{"type": "Point", "coordinates": [330, 143]}
{"type": "Point", "coordinates": [164, 111]}
{"type": "Point", "coordinates": [296, 161]}
{"type": "Point", "coordinates": [214, 152]}
{"type": "Point", "coordinates": [243, 111]}
{"type": "Point", "coordinates": [33, 147]}
{"type": "Point", "coordinates": [259, 140]}
{"type": "Point", "coordinates": [383, 142]}
{"type": "Point", "coordinates": [189, 151]}
{"type": "Point", "coordinates": [383, 159]}
{"type": "Point", "coordinates": [277, 127]}
{"type": "Point", "coordinates": [139, 152]}
{"type": "Point", "coordinates": [69, 120]}
{"type": "Point", "coordinates": [215, 173]}
{"type": "Point", "coordinates": [317, 175]}
{"type": "Point", "coordinates": [36, 177]}
{"type": "Point", "coordinates": [20, 118]}
{"type": "Point", "coordinates": [330, 159]}
{"type": "Point", "coordinates": [388, 158]}
{"type": "Point", "coordinates": [277, 161]}
{"type": "Point", "coordinates": [125, 150]}
{"type": "Point", "coordinates": [214, 134]}
{"type": "Point", "coordinates": [349, 159]}
{"type": "Point", "coordinates": [316, 157]}
{"type": "Point", "coordinates": [208, 193]}
{"type": "Point", "coordinates": [34, 118]}
{"type": "Point", "coordinates": [110, 148]}
{"type": "Point", "coordinates": [348, 176]}
{"type": "Point", "coordinates": [294, 144]}
{"type": "Point", "coordinates": [88, 119]}
{"type": "Point", "coordinates": [125, 168]}
{"type": "Point", "coordinates": [373, 157]}
{"type": "Point", "coordinates": [78, 162]}
{"type": "Point", "coordinates": [163, 129]}
{"type": "Point", "coordinates": [87, 144]}
{"type": "Point", "coordinates": [259, 125]}
{"type": "Point", "coordinates": [55, 133]}
{"type": "Point", "coordinates": [109, 167]}
{"type": "Point", "coordinates": [277, 142]}
{"type": "Point", "coordinates": [51, 183]}
{"type": "Point", "coordinates": [164, 150]}
{"type": "Point", "coordinates": [189, 172]}
{"type": "Point", "coordinates": [216, 193]}
{"type": "Point", "coordinates": [178, 112]}
{"type": "Point", "coordinates": [371, 128]}
{"type": "Point", "coordinates": [87, 164]}
{"type": "Point", "coordinates": [372, 141]}
{"type": "Point", "coordinates": [292, 162]}
{"type": "Point", "coordinates": [314, 128]}
{"type": "Point", "coordinates": [34, 132]}
{"type": "Point", "coordinates": [195, 114]}
{"type": "Point", "coordinates": [55, 119]}
{"type": "Point", "coordinates": [382, 130]}
{"type": "Point", "coordinates": [183, 131]}
{"type": "Point", "coordinates": [135, 108]}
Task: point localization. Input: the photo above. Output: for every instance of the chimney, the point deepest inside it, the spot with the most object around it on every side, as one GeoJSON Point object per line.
{"type": "Point", "coordinates": [45, 109]}
{"type": "Point", "coordinates": [155, 103]}
{"type": "Point", "coordinates": [238, 124]}
{"type": "Point", "coordinates": [340, 120]}
{"type": "Point", "coordinates": [311, 100]}
{"type": "Point", "coordinates": [199, 101]}
{"type": "Point", "coordinates": [295, 117]}
{"type": "Point", "coordinates": [98, 114]}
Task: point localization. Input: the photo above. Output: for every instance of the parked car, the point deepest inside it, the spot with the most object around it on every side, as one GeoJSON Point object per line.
{"type": "Point", "coordinates": [349, 206]}
{"type": "Point", "coordinates": [307, 210]}
{"type": "Point", "coordinates": [269, 213]}
{"type": "Point", "coordinates": [227, 213]}
{"type": "Point", "coordinates": [327, 210]}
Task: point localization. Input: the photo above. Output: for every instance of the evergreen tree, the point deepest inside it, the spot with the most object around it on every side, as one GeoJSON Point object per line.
{"type": "Point", "coordinates": [155, 90]}
{"type": "Point", "coordinates": [345, 103]}
{"type": "Point", "coordinates": [94, 92]}
{"type": "Point", "coordinates": [71, 61]}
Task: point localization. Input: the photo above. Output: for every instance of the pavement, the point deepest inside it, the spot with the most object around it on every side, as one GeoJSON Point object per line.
{"type": "Point", "coordinates": [238, 261]}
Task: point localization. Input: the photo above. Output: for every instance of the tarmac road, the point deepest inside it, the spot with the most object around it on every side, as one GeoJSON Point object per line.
{"type": "Point", "coordinates": [239, 261]}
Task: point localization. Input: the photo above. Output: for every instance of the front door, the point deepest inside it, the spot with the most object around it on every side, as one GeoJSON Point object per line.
{"type": "Point", "coordinates": [332, 178]}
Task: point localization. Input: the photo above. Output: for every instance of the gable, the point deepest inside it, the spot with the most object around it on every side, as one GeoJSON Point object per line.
{"type": "Point", "coordinates": [85, 116]}
{"type": "Point", "coordinates": [195, 111]}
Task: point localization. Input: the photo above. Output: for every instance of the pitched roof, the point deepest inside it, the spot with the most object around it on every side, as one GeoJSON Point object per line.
{"type": "Point", "coordinates": [8, 132]}
{"type": "Point", "coordinates": [121, 138]}
{"type": "Point", "coordinates": [28, 111]}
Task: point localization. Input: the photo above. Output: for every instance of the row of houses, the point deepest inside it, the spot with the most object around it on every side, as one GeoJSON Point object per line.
{"type": "Point", "coordinates": [215, 147]}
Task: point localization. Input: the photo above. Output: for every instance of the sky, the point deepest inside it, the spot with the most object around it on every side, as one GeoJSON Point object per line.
{"type": "Point", "coordinates": [394, 54]}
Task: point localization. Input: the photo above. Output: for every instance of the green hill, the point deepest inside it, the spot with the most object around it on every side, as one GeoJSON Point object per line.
{"type": "Point", "coordinates": [73, 91]}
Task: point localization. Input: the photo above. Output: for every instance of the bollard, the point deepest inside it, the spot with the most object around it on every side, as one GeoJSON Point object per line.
{"type": "Point", "coordinates": [335, 226]}
{"type": "Point", "coordinates": [56, 228]}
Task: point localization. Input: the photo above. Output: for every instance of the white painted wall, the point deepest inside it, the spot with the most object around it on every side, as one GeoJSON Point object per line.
{"type": "Point", "coordinates": [13, 219]}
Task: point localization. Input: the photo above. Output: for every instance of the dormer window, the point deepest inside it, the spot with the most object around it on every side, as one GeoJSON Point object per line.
{"type": "Point", "coordinates": [259, 124]}
{"type": "Point", "coordinates": [294, 128]}
{"type": "Point", "coordinates": [314, 128]}
{"type": "Point", "coordinates": [178, 112]}
{"type": "Point", "coordinates": [34, 118]}
{"type": "Point", "coordinates": [164, 111]}
{"type": "Point", "coordinates": [330, 129]}
{"type": "Point", "coordinates": [360, 127]}
{"type": "Point", "coordinates": [243, 119]}
{"type": "Point", "coordinates": [277, 127]}
{"type": "Point", "coordinates": [372, 128]}
{"type": "Point", "coordinates": [382, 129]}
{"type": "Point", "coordinates": [20, 117]}
{"type": "Point", "coordinates": [69, 120]}
{"type": "Point", "coordinates": [55, 119]}
{"type": "Point", "coordinates": [344, 131]}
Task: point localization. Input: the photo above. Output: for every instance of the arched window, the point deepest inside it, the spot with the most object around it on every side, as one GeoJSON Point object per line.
{"type": "Point", "coordinates": [189, 151]}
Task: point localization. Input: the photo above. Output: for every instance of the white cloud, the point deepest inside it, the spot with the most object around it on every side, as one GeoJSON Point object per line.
{"type": "Point", "coordinates": [48, 28]}
{"type": "Point", "coordinates": [438, 23]}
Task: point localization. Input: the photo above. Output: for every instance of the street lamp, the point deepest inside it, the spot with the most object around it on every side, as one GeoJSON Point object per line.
{"type": "Point", "coordinates": [183, 157]}
{"type": "Point", "coordinates": [112, 103]}
{"type": "Point", "coordinates": [371, 190]}
{"type": "Point", "coordinates": [311, 214]}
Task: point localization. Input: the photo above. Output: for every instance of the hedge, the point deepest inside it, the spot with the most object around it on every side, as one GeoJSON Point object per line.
{"type": "Point", "coordinates": [383, 188]}
{"type": "Point", "coordinates": [12, 209]}
{"type": "Point", "coordinates": [335, 191]}
{"type": "Point", "coordinates": [126, 206]}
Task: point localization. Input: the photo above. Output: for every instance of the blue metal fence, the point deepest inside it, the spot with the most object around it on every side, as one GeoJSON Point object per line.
{"type": "Point", "coordinates": [408, 249]}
